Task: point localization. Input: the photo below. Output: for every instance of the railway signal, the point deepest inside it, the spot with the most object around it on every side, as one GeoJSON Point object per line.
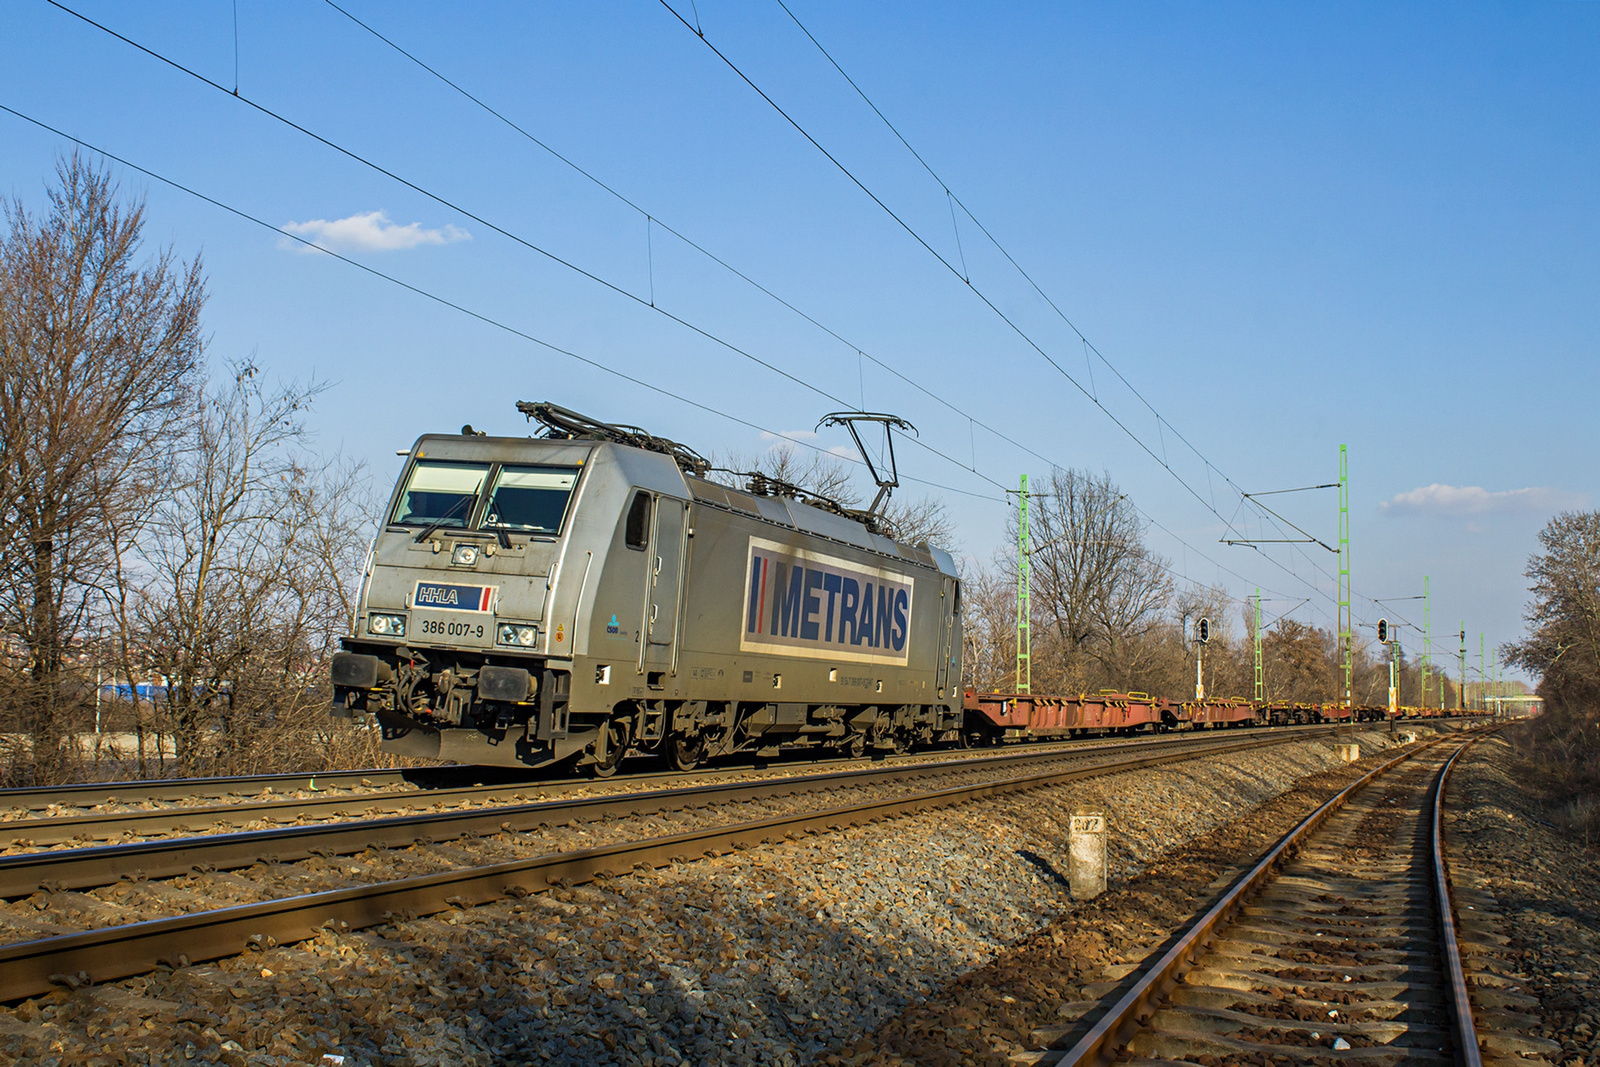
{"type": "Point", "coordinates": [1394, 683]}
{"type": "Point", "coordinates": [1202, 636]}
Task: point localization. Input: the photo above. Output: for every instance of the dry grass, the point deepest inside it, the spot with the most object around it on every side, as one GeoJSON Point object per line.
{"type": "Point", "coordinates": [1560, 753]}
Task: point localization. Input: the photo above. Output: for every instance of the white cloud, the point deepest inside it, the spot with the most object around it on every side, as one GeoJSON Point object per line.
{"type": "Point", "coordinates": [372, 231]}
{"type": "Point", "coordinates": [1437, 499]}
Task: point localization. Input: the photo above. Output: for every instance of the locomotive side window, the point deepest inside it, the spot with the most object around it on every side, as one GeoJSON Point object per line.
{"type": "Point", "coordinates": [530, 499]}
{"type": "Point", "coordinates": [440, 493]}
{"type": "Point", "coordinates": [637, 534]}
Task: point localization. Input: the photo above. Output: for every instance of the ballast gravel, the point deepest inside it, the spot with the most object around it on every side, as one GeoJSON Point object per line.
{"type": "Point", "coordinates": [1529, 909]}
{"type": "Point", "coordinates": [136, 899]}
{"type": "Point", "coordinates": [782, 955]}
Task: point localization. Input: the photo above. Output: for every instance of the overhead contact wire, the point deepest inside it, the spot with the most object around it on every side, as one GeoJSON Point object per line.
{"type": "Point", "coordinates": [1088, 345]}
{"type": "Point", "coordinates": [1087, 393]}
{"type": "Point", "coordinates": [444, 301]}
{"type": "Point", "coordinates": [736, 272]}
{"type": "Point", "coordinates": [481, 220]}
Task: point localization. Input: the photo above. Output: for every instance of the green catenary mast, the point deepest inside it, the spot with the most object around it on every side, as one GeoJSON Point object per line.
{"type": "Point", "coordinates": [1346, 650]}
{"type": "Point", "coordinates": [1427, 638]}
{"type": "Point", "coordinates": [1261, 681]}
{"type": "Point", "coordinates": [1483, 677]}
{"type": "Point", "coordinates": [1024, 610]}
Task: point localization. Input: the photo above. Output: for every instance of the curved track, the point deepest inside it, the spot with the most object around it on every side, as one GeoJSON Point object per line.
{"type": "Point", "coordinates": [1338, 945]}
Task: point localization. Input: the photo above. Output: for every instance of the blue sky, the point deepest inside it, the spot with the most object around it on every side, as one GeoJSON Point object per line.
{"type": "Point", "coordinates": [1288, 226]}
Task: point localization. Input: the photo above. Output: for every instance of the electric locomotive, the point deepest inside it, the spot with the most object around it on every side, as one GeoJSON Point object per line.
{"type": "Point", "coordinates": [591, 593]}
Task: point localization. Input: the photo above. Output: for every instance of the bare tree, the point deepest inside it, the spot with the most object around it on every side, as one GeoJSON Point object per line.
{"type": "Point", "coordinates": [1563, 645]}
{"type": "Point", "coordinates": [1099, 589]}
{"type": "Point", "coordinates": [1563, 649]}
{"type": "Point", "coordinates": [220, 562]}
{"type": "Point", "coordinates": [98, 356]}
{"type": "Point", "coordinates": [989, 627]}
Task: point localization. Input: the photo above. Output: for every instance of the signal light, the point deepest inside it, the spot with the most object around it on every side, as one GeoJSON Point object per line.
{"type": "Point", "coordinates": [1202, 630]}
{"type": "Point", "coordinates": [1383, 631]}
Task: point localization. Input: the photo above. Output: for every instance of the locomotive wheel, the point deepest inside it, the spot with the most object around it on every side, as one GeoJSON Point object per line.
{"type": "Point", "coordinates": [685, 753]}
{"type": "Point", "coordinates": [610, 749]}
{"type": "Point", "coordinates": [855, 746]}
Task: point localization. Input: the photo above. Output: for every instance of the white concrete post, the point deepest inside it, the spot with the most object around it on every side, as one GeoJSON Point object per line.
{"type": "Point", "coordinates": [1087, 856]}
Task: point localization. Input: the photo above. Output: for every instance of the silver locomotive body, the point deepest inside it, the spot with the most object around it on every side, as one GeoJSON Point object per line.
{"type": "Point", "coordinates": [531, 601]}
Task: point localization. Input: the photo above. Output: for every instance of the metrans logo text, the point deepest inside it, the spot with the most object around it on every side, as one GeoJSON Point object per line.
{"type": "Point", "coordinates": [804, 603]}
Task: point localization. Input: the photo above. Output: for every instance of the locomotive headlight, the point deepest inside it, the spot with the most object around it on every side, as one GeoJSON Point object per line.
{"type": "Point", "coordinates": [386, 625]}
{"type": "Point", "coordinates": [513, 633]}
{"type": "Point", "coordinates": [464, 555]}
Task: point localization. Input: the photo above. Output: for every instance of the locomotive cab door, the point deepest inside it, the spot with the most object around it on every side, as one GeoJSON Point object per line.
{"type": "Point", "coordinates": [947, 619]}
{"type": "Point", "coordinates": [664, 574]}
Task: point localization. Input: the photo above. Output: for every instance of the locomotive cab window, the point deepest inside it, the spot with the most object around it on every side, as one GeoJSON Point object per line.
{"type": "Point", "coordinates": [637, 534]}
{"type": "Point", "coordinates": [442, 494]}
{"type": "Point", "coordinates": [530, 499]}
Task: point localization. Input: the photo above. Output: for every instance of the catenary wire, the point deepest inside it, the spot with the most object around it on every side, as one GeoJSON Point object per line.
{"type": "Point", "coordinates": [713, 257]}
{"type": "Point", "coordinates": [426, 294]}
{"type": "Point", "coordinates": [623, 292]}
{"type": "Point", "coordinates": [1087, 393]}
{"type": "Point", "coordinates": [425, 192]}
{"type": "Point", "coordinates": [1161, 420]}
{"type": "Point", "coordinates": [509, 235]}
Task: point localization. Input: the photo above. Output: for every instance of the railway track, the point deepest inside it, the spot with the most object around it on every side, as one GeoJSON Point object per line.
{"type": "Point", "coordinates": [357, 830]}
{"type": "Point", "coordinates": [33, 967]}
{"type": "Point", "coordinates": [1338, 944]}
{"type": "Point", "coordinates": [245, 788]}
{"type": "Point", "coordinates": [55, 830]}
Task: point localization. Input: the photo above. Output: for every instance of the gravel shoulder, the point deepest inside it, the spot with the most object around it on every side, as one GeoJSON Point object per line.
{"type": "Point", "coordinates": [1038, 990]}
{"type": "Point", "coordinates": [781, 955]}
{"type": "Point", "coordinates": [1528, 900]}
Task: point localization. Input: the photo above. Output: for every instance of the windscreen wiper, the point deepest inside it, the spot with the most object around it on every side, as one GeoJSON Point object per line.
{"type": "Point", "coordinates": [434, 526]}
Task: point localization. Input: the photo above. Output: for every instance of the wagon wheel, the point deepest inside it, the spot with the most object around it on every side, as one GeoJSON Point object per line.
{"type": "Point", "coordinates": [854, 746]}
{"type": "Point", "coordinates": [892, 741]}
{"type": "Point", "coordinates": [684, 752]}
{"type": "Point", "coordinates": [610, 748]}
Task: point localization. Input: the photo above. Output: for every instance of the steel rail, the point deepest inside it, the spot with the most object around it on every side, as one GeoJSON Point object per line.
{"type": "Point", "coordinates": [86, 868]}
{"type": "Point", "coordinates": [89, 794]}
{"type": "Point", "coordinates": [1136, 1006]}
{"type": "Point", "coordinates": [31, 968]}
{"type": "Point", "coordinates": [1464, 1030]}
{"type": "Point", "coordinates": [86, 794]}
{"type": "Point", "coordinates": [63, 829]}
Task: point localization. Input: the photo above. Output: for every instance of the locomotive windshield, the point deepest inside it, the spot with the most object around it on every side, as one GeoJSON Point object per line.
{"type": "Point", "coordinates": [530, 499]}
{"type": "Point", "coordinates": [440, 494]}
